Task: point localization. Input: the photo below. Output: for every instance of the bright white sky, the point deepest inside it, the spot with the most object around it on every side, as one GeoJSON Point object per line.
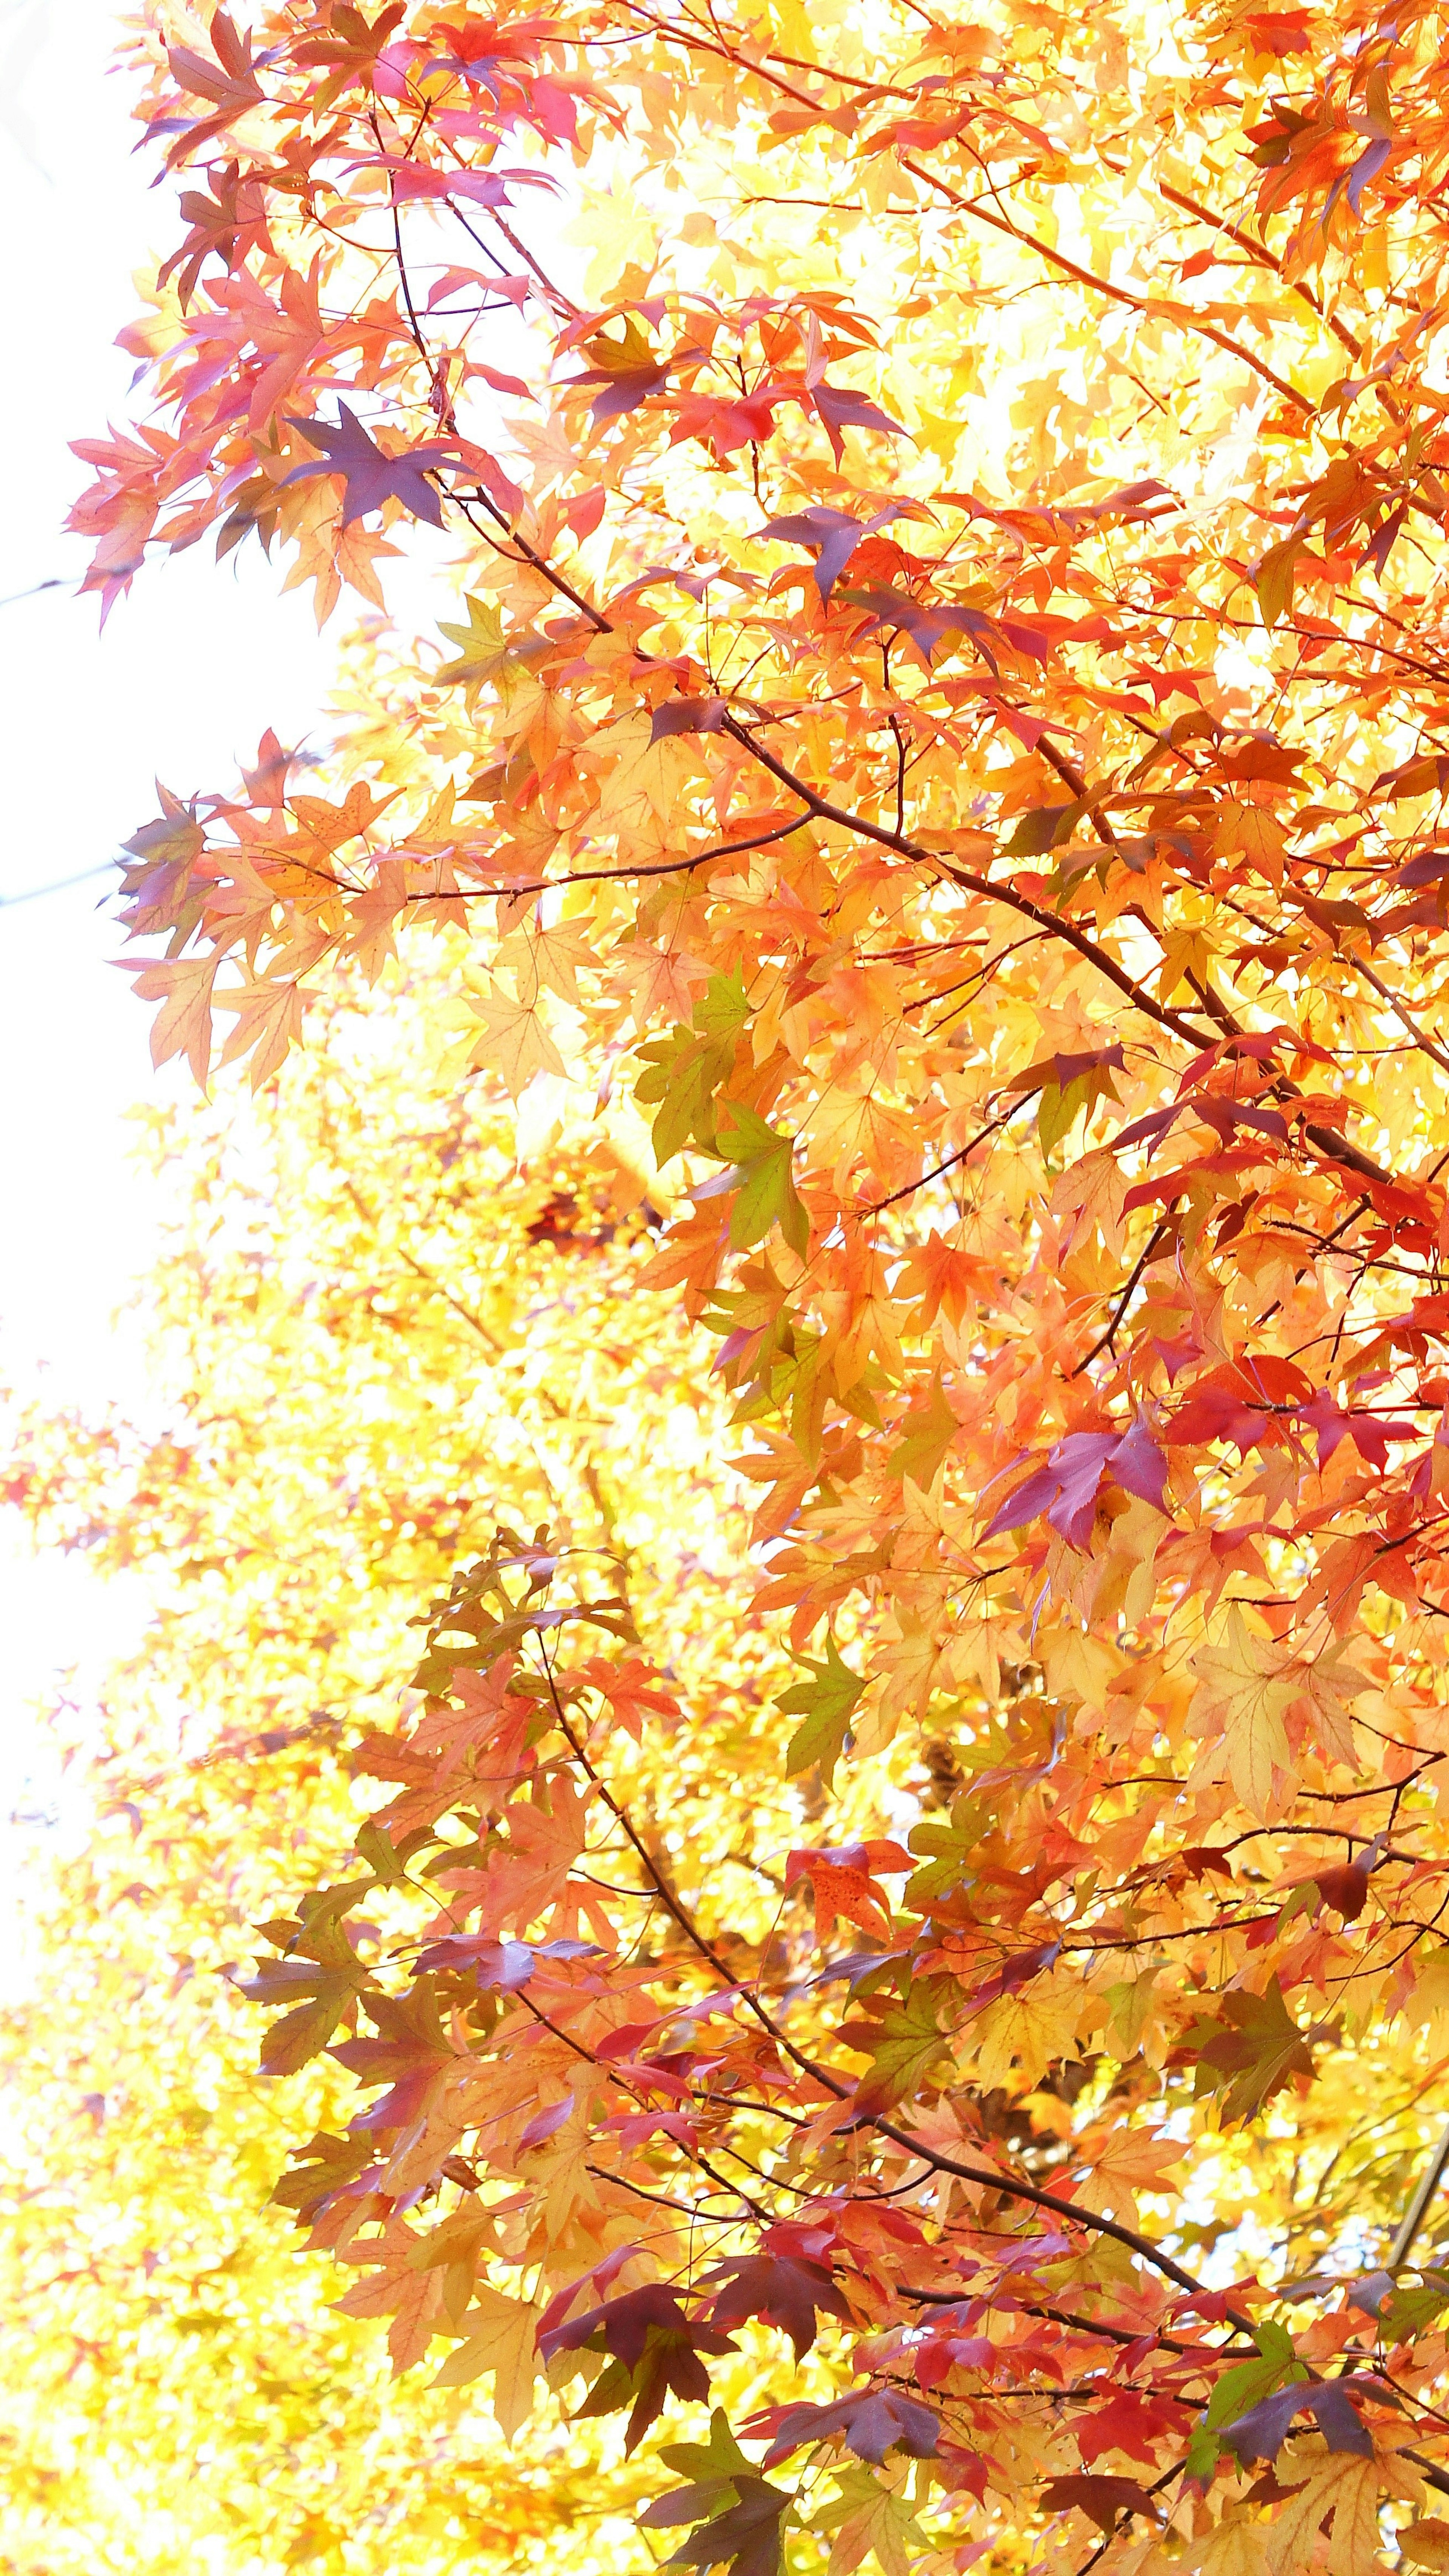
{"type": "Point", "coordinates": [190, 671]}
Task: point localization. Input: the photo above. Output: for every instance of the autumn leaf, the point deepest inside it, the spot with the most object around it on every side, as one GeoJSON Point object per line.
{"type": "Point", "coordinates": [1350, 2491]}
{"type": "Point", "coordinates": [928, 1432]}
{"type": "Point", "coordinates": [482, 649]}
{"type": "Point", "coordinates": [739, 2513]}
{"type": "Point", "coordinates": [1251, 2051]}
{"type": "Point", "coordinates": [761, 1179]}
{"type": "Point", "coordinates": [515, 1039]}
{"type": "Point", "coordinates": [1242, 1694]}
{"type": "Point", "coordinates": [824, 1705]}
{"type": "Point", "coordinates": [1104, 2500]}
{"type": "Point", "coordinates": [1425, 2543]}
{"type": "Point", "coordinates": [370, 474]}
{"type": "Point", "coordinates": [182, 1026]}
{"type": "Point", "coordinates": [500, 2337]}
{"type": "Point", "coordinates": [904, 2043]}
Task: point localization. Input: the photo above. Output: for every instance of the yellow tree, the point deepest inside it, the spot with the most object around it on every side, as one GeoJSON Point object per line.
{"type": "Point", "coordinates": [369, 1333]}
{"type": "Point", "coordinates": [946, 709]}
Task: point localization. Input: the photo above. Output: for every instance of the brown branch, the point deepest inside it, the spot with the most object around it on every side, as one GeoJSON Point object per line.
{"type": "Point", "coordinates": [1151, 309]}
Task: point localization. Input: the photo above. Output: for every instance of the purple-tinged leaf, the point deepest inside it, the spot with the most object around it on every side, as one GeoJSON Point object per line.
{"type": "Point", "coordinates": [687, 715]}
{"type": "Point", "coordinates": [832, 536]}
{"type": "Point", "coordinates": [840, 409]}
{"type": "Point", "coordinates": [1139, 1465]}
{"type": "Point", "coordinates": [1261, 2433]}
{"type": "Point", "coordinates": [371, 475]}
{"type": "Point", "coordinates": [1025, 1504]}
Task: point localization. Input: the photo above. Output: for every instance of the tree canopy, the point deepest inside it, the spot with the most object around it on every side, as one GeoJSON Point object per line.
{"type": "Point", "coordinates": [340, 1372]}
{"type": "Point", "coordinates": [930, 706]}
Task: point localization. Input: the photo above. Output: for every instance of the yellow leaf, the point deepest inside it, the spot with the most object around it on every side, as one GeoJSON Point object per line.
{"type": "Point", "coordinates": [1235, 2548]}
{"type": "Point", "coordinates": [516, 1043]}
{"type": "Point", "coordinates": [1349, 2487]}
{"type": "Point", "coordinates": [1185, 952]}
{"type": "Point", "coordinates": [1328, 1685]}
{"type": "Point", "coordinates": [1429, 2001]}
{"type": "Point", "coordinates": [1426, 2544]}
{"type": "Point", "coordinates": [501, 2340]}
{"type": "Point", "coordinates": [182, 1026]}
{"type": "Point", "coordinates": [1242, 1694]}
{"type": "Point", "coordinates": [1079, 1666]}
{"type": "Point", "coordinates": [1026, 2030]}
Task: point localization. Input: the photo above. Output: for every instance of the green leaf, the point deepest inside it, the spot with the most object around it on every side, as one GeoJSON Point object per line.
{"type": "Point", "coordinates": [719, 2457]}
{"type": "Point", "coordinates": [945, 1848]}
{"type": "Point", "coordinates": [1248, 2381]}
{"type": "Point", "coordinates": [766, 1194]}
{"type": "Point", "coordinates": [1041, 827]}
{"type": "Point", "coordinates": [683, 1072]}
{"type": "Point", "coordinates": [723, 1007]}
{"type": "Point", "coordinates": [928, 1432]}
{"type": "Point", "coordinates": [825, 1705]}
{"type": "Point", "coordinates": [1406, 2313]}
{"type": "Point", "coordinates": [481, 648]}
{"type": "Point", "coordinates": [903, 2041]}
{"type": "Point", "coordinates": [390, 1861]}
{"type": "Point", "coordinates": [738, 2511]}
{"type": "Point", "coordinates": [1061, 1103]}
{"type": "Point", "coordinates": [303, 2033]}
{"type": "Point", "coordinates": [1204, 2451]}
{"type": "Point", "coordinates": [1251, 2052]}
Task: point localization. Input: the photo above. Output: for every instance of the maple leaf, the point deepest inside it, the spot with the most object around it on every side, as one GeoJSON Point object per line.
{"type": "Point", "coordinates": [228, 77]}
{"type": "Point", "coordinates": [867, 2517]}
{"type": "Point", "coordinates": [871, 2422]}
{"type": "Point", "coordinates": [655, 2348]}
{"type": "Point", "coordinates": [515, 1039]}
{"type": "Point", "coordinates": [927, 1434]}
{"type": "Point", "coordinates": [1252, 2051]}
{"type": "Point", "coordinates": [485, 652]}
{"type": "Point", "coordinates": [1426, 2544]}
{"type": "Point", "coordinates": [740, 2512]}
{"type": "Point", "coordinates": [627, 367]}
{"type": "Point", "coordinates": [904, 2042]}
{"type": "Point", "coordinates": [787, 2292]}
{"type": "Point", "coordinates": [1132, 2423]}
{"type": "Point", "coordinates": [371, 475]}
{"type": "Point", "coordinates": [824, 1705]}
{"type": "Point", "coordinates": [1239, 2388]}
{"type": "Point", "coordinates": [1028, 2032]}
{"type": "Point", "coordinates": [841, 409]}
{"type": "Point", "coordinates": [841, 1883]}
{"type": "Point", "coordinates": [182, 1026]}
{"type": "Point", "coordinates": [501, 2336]}
{"type": "Point", "coordinates": [1067, 1486]}
{"type": "Point", "coordinates": [319, 1980]}
{"type": "Point", "coordinates": [1243, 1693]}
{"type": "Point", "coordinates": [1259, 2433]}
{"type": "Point", "coordinates": [1119, 2164]}
{"type": "Point", "coordinates": [1349, 2488]}
{"type": "Point", "coordinates": [1329, 1684]}
{"type": "Point", "coordinates": [1102, 2499]}
{"type": "Point", "coordinates": [269, 1021]}
{"type": "Point", "coordinates": [832, 536]}
{"type": "Point", "coordinates": [408, 2294]}
{"type": "Point", "coordinates": [761, 1179]}
{"type": "Point", "coordinates": [683, 1072]}
{"type": "Point", "coordinates": [687, 715]}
